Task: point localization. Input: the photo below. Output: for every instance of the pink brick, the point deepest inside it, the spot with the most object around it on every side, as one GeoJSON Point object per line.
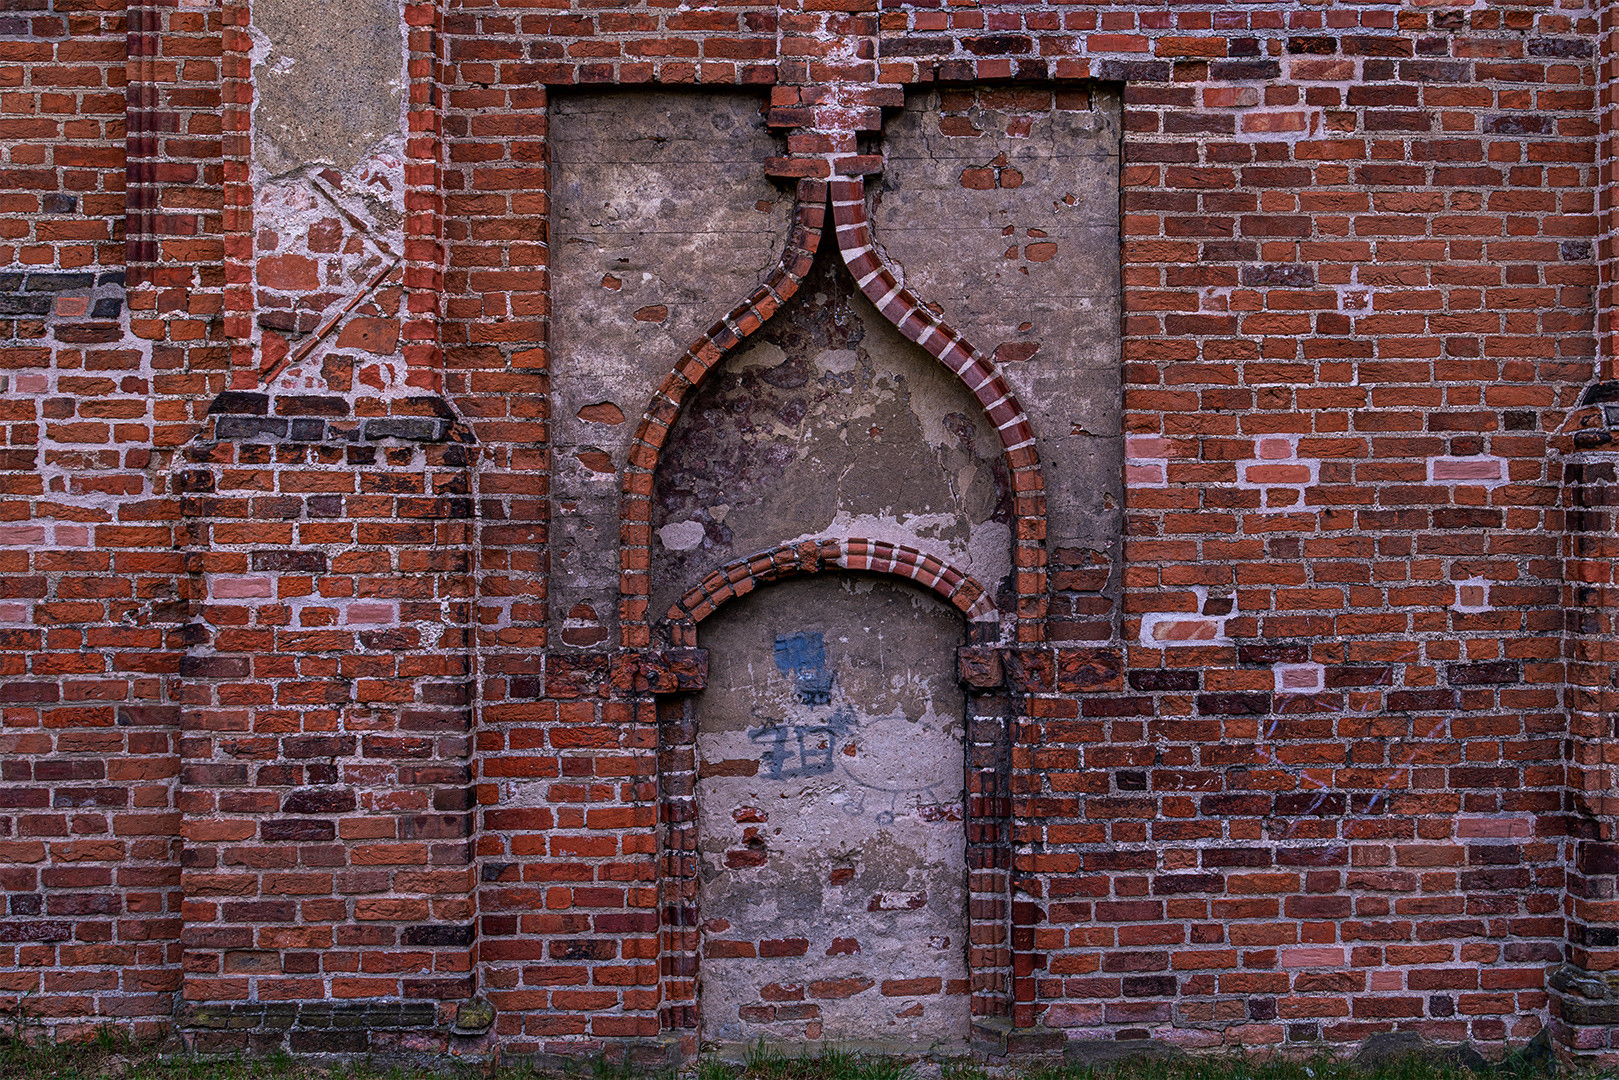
{"type": "Point", "coordinates": [1274, 449]}
{"type": "Point", "coordinates": [22, 534]}
{"type": "Point", "coordinates": [1321, 957]}
{"type": "Point", "coordinates": [1146, 447]}
{"type": "Point", "coordinates": [72, 536]}
{"type": "Point", "coordinates": [1298, 677]}
{"type": "Point", "coordinates": [370, 612]}
{"type": "Point", "coordinates": [241, 588]}
{"type": "Point", "coordinates": [1482, 468]}
{"type": "Point", "coordinates": [1186, 630]}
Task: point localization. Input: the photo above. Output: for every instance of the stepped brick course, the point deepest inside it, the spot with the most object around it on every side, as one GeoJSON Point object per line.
{"type": "Point", "coordinates": [292, 743]}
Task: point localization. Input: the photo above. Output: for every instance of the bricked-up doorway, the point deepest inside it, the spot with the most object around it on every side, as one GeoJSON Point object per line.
{"type": "Point", "coordinates": [832, 424]}
{"type": "Point", "coordinates": [831, 864]}
{"type": "Point", "coordinates": [831, 855]}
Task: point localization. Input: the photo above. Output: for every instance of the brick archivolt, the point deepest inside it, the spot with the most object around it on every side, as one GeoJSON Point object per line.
{"type": "Point", "coordinates": [879, 282]}
{"type": "Point", "coordinates": [735, 580]}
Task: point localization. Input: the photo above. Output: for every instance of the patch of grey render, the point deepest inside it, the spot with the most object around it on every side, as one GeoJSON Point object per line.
{"type": "Point", "coordinates": [662, 221]}
{"type": "Point", "coordinates": [1004, 210]}
{"type": "Point", "coordinates": [829, 423]}
{"type": "Point", "coordinates": [830, 801]}
{"type": "Point", "coordinates": [329, 81]}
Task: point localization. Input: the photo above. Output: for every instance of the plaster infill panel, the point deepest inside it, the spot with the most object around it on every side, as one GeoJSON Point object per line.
{"type": "Point", "coordinates": [328, 178]}
{"type": "Point", "coordinates": [830, 798]}
{"type": "Point", "coordinates": [328, 80]}
{"type": "Point", "coordinates": [829, 423]}
{"type": "Point", "coordinates": [1002, 207]}
{"type": "Point", "coordinates": [662, 219]}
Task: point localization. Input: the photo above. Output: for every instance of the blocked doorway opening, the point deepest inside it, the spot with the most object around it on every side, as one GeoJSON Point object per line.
{"type": "Point", "coordinates": [830, 804]}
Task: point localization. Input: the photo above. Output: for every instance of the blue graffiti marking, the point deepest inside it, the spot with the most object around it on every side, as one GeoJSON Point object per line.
{"type": "Point", "coordinates": [812, 744]}
{"type": "Point", "coordinates": [802, 658]}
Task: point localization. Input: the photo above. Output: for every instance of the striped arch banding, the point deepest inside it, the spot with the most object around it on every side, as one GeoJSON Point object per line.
{"type": "Point", "coordinates": [981, 376]}
{"type": "Point", "coordinates": [739, 578]}
{"type": "Point", "coordinates": [881, 286]}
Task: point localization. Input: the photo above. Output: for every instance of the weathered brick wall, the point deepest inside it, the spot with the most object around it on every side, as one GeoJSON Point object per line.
{"type": "Point", "coordinates": [63, 125]}
{"type": "Point", "coordinates": [92, 601]}
{"type": "Point", "coordinates": [1338, 769]}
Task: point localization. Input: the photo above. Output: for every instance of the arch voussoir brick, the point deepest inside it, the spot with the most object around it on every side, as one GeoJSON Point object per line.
{"type": "Point", "coordinates": [977, 371]}
{"type": "Point", "coordinates": [738, 578]}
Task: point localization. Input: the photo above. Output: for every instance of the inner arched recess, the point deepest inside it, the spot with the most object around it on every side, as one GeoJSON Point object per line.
{"type": "Point", "coordinates": [828, 422]}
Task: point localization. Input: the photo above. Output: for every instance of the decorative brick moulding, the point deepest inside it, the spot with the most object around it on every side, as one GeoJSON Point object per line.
{"type": "Point", "coordinates": [811, 557]}
{"type": "Point", "coordinates": [1192, 428]}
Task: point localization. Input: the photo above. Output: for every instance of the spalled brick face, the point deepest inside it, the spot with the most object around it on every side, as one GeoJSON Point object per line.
{"type": "Point", "coordinates": [1322, 748]}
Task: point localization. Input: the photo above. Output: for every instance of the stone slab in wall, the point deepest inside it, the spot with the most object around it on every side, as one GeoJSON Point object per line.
{"type": "Point", "coordinates": [830, 798]}
{"type": "Point", "coordinates": [328, 81]}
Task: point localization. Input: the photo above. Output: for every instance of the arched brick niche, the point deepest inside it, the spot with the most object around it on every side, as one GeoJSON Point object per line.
{"type": "Point", "coordinates": [835, 426]}
{"type": "Point", "coordinates": [828, 420]}
{"type": "Point", "coordinates": [625, 288]}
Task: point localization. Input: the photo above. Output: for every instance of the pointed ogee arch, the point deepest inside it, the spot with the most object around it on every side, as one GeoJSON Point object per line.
{"type": "Point", "coordinates": [977, 371]}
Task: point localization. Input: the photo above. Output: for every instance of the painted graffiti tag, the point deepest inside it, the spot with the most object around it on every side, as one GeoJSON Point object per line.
{"type": "Point", "coordinates": [809, 743]}
{"type": "Point", "coordinates": [803, 747]}
{"type": "Point", "coordinates": [802, 658]}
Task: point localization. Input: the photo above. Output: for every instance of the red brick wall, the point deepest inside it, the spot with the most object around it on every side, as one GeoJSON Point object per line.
{"type": "Point", "coordinates": [61, 190]}
{"type": "Point", "coordinates": [92, 602]}
{"type": "Point", "coordinates": [1316, 788]}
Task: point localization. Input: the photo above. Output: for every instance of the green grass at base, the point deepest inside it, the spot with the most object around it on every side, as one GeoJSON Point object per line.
{"type": "Point", "coordinates": [110, 1057]}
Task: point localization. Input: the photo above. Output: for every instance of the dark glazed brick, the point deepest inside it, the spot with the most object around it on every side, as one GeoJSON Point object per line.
{"type": "Point", "coordinates": [1496, 672]}
{"type": "Point", "coordinates": [249, 427]}
{"type": "Point", "coordinates": [240, 402]}
{"type": "Point", "coordinates": [24, 305]}
{"type": "Point", "coordinates": [1560, 48]}
{"type": "Point", "coordinates": [439, 935]}
{"type": "Point", "coordinates": [1134, 71]}
{"type": "Point", "coordinates": [1165, 680]}
{"type": "Point", "coordinates": [1234, 704]}
{"type": "Point", "coordinates": [57, 283]}
{"type": "Point", "coordinates": [302, 830]}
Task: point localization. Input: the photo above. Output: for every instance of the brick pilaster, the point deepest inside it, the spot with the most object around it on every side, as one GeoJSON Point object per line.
{"type": "Point", "coordinates": [1607, 186]}
{"type": "Point", "coordinates": [1585, 988]}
